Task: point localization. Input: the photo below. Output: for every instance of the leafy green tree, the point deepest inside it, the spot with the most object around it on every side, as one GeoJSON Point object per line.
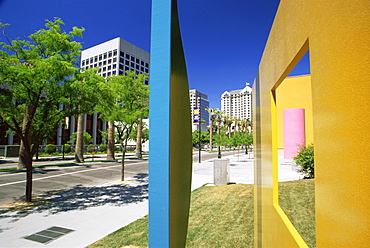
{"type": "Point", "coordinates": [247, 140]}
{"type": "Point", "coordinates": [221, 139]}
{"type": "Point", "coordinates": [127, 102]}
{"type": "Point", "coordinates": [204, 137]}
{"type": "Point", "coordinates": [36, 76]}
{"type": "Point", "coordinates": [144, 133]}
{"type": "Point", "coordinates": [87, 139]}
{"type": "Point", "coordinates": [89, 96]}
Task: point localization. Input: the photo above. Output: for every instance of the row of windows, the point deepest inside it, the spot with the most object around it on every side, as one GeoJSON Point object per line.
{"type": "Point", "coordinates": [121, 66]}
{"type": "Point", "coordinates": [107, 57]}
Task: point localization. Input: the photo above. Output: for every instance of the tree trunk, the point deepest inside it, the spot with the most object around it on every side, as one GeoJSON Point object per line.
{"type": "Point", "coordinates": [110, 145]}
{"type": "Point", "coordinates": [27, 158]}
{"type": "Point", "coordinates": [123, 161]}
{"type": "Point", "coordinates": [79, 154]}
{"type": "Point", "coordinates": [25, 154]}
{"type": "Point", "coordinates": [21, 163]}
{"type": "Point", "coordinates": [138, 153]}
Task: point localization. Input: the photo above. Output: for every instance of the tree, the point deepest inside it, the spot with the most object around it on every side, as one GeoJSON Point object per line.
{"type": "Point", "coordinates": [213, 113]}
{"type": "Point", "coordinates": [247, 140]}
{"type": "Point", "coordinates": [36, 76]}
{"type": "Point", "coordinates": [139, 130]}
{"type": "Point", "coordinates": [221, 139]}
{"type": "Point", "coordinates": [228, 121]}
{"type": "Point", "coordinates": [89, 96]}
{"type": "Point", "coordinates": [125, 105]}
{"type": "Point", "coordinates": [144, 136]}
{"type": "Point", "coordinates": [111, 141]}
{"type": "Point", "coordinates": [204, 137]}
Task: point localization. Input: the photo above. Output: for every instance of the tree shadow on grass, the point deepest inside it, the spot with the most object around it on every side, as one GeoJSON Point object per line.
{"type": "Point", "coordinates": [83, 198]}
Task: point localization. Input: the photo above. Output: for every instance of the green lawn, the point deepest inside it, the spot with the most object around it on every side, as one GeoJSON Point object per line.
{"type": "Point", "coordinates": [222, 216]}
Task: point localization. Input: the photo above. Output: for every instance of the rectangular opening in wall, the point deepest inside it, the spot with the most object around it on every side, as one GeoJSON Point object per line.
{"type": "Point", "coordinates": [294, 135]}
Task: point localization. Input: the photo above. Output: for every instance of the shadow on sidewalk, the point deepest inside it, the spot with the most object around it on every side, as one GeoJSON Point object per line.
{"type": "Point", "coordinates": [83, 198]}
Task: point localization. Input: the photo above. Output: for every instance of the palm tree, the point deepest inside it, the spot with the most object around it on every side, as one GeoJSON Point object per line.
{"type": "Point", "coordinates": [213, 113]}
{"type": "Point", "coordinates": [237, 124]}
{"type": "Point", "coordinates": [228, 121]}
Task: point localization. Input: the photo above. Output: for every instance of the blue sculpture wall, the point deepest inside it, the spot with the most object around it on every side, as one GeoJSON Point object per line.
{"type": "Point", "coordinates": [170, 160]}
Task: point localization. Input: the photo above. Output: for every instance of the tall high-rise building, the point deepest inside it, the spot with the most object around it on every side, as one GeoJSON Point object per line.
{"type": "Point", "coordinates": [238, 103]}
{"type": "Point", "coordinates": [199, 100]}
{"type": "Point", "coordinates": [114, 57]}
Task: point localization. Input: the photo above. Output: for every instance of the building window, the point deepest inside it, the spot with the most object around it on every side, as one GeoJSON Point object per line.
{"type": "Point", "coordinates": [132, 64]}
{"type": "Point", "coordinates": [100, 64]}
{"type": "Point", "coordinates": [110, 54]}
{"type": "Point", "coordinates": [122, 54]}
{"type": "Point", "coordinates": [120, 72]}
{"type": "Point", "coordinates": [127, 62]}
{"type": "Point", "coordinates": [109, 67]}
{"type": "Point", "coordinates": [142, 63]}
{"type": "Point", "coordinates": [87, 61]}
{"type": "Point", "coordinates": [83, 62]}
{"type": "Point", "coordinates": [104, 62]}
{"type": "Point", "coordinates": [114, 52]}
{"type": "Point", "coordinates": [121, 60]}
{"type": "Point", "coordinates": [104, 68]}
{"type": "Point", "coordinates": [100, 57]}
{"type": "Point", "coordinates": [113, 72]}
{"type": "Point", "coordinates": [105, 55]}
{"type": "Point", "coordinates": [114, 66]}
{"type": "Point", "coordinates": [91, 60]}
{"type": "Point", "coordinates": [127, 68]}
{"type": "Point", "coordinates": [108, 74]}
{"type": "Point", "coordinates": [121, 67]}
{"type": "Point", "coordinates": [95, 58]}
{"type": "Point", "coordinates": [127, 56]}
{"type": "Point", "coordinates": [114, 59]}
{"type": "Point", "coordinates": [109, 61]}
{"type": "Point", "coordinates": [138, 61]}
{"type": "Point", "coordinates": [132, 58]}
{"type": "Point", "coordinates": [104, 75]}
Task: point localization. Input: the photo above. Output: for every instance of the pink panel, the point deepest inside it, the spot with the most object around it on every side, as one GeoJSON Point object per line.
{"type": "Point", "coordinates": [294, 131]}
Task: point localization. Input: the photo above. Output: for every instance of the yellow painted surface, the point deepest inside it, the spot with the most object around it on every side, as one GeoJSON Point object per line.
{"type": "Point", "coordinates": [337, 33]}
{"type": "Point", "coordinates": [294, 92]}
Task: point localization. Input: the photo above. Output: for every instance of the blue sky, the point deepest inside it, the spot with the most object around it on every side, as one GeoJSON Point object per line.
{"type": "Point", "coordinates": [223, 39]}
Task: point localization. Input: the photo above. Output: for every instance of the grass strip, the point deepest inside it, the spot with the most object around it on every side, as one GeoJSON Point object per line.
{"type": "Point", "coordinates": [297, 199]}
{"type": "Point", "coordinates": [220, 216]}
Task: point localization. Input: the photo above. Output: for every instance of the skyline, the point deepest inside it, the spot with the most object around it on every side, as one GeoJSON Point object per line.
{"type": "Point", "coordinates": [223, 41]}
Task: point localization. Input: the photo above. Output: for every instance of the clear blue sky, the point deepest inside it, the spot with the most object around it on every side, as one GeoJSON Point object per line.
{"type": "Point", "coordinates": [223, 39]}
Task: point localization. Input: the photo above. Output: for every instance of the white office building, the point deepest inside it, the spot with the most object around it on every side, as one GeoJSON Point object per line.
{"type": "Point", "coordinates": [238, 103]}
{"type": "Point", "coordinates": [199, 100]}
{"type": "Point", "coordinates": [114, 57]}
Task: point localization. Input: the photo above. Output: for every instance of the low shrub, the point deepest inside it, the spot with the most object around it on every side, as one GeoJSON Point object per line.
{"type": "Point", "coordinates": [50, 148]}
{"type": "Point", "coordinates": [89, 147]}
{"type": "Point", "coordinates": [305, 161]}
{"type": "Point", "coordinates": [102, 148]}
{"type": "Point", "coordinates": [67, 148]}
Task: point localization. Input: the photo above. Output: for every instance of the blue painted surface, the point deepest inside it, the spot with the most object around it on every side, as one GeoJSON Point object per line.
{"type": "Point", "coordinates": [159, 131]}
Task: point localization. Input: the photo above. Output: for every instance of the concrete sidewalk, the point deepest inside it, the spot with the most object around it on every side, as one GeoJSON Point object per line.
{"type": "Point", "coordinates": [94, 212]}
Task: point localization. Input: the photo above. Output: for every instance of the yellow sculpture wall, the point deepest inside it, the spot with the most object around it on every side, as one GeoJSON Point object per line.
{"type": "Point", "coordinates": [337, 33]}
{"type": "Point", "coordinates": [294, 92]}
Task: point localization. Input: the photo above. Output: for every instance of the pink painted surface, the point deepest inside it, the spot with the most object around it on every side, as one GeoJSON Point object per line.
{"type": "Point", "coordinates": [294, 131]}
